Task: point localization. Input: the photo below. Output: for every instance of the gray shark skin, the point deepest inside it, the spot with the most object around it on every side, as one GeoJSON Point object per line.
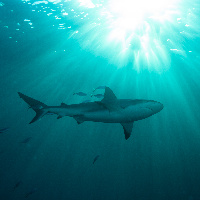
{"type": "Point", "coordinates": [108, 110]}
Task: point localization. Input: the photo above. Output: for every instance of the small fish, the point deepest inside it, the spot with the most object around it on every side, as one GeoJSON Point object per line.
{"type": "Point", "coordinates": [96, 158]}
{"type": "Point", "coordinates": [100, 87]}
{"type": "Point", "coordinates": [3, 130]}
{"type": "Point", "coordinates": [26, 140]}
{"type": "Point", "coordinates": [17, 184]}
{"type": "Point", "coordinates": [97, 95]}
{"type": "Point", "coordinates": [86, 101]}
{"type": "Point", "coordinates": [31, 192]}
{"type": "Point", "coordinates": [80, 94]}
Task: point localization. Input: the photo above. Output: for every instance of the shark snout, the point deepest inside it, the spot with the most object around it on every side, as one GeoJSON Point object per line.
{"type": "Point", "coordinates": [159, 106]}
{"type": "Point", "coordinates": [155, 106]}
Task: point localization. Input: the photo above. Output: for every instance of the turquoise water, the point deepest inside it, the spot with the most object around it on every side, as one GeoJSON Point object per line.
{"type": "Point", "coordinates": [52, 49]}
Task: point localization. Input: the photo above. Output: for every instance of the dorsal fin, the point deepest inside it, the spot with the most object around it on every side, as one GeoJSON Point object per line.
{"type": "Point", "coordinates": [110, 101]}
{"type": "Point", "coordinates": [109, 96]}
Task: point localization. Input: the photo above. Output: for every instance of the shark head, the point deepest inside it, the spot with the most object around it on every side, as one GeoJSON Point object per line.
{"type": "Point", "coordinates": [154, 106]}
{"type": "Point", "coordinates": [140, 109]}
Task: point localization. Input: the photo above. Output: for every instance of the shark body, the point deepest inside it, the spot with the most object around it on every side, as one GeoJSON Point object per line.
{"type": "Point", "coordinates": [108, 110]}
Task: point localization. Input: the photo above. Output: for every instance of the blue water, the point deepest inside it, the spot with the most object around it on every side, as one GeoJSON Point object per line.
{"type": "Point", "coordinates": [52, 49]}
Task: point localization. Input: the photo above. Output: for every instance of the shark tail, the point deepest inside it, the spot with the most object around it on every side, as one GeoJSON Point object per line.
{"type": "Point", "coordinates": [36, 105]}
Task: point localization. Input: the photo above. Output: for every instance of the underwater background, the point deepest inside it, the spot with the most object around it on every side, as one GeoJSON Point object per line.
{"type": "Point", "coordinates": [53, 48]}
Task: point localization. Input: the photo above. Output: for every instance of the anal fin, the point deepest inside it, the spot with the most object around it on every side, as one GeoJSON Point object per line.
{"type": "Point", "coordinates": [78, 119]}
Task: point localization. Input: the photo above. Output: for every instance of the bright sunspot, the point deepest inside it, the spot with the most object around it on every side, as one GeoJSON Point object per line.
{"type": "Point", "coordinates": [142, 34]}
{"type": "Point", "coordinates": [130, 14]}
{"type": "Point", "coordinates": [137, 33]}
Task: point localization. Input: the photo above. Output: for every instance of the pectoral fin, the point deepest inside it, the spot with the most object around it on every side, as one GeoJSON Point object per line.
{"type": "Point", "coordinates": [127, 129]}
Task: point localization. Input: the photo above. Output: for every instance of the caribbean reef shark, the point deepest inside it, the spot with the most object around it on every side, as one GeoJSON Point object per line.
{"type": "Point", "coordinates": [108, 110]}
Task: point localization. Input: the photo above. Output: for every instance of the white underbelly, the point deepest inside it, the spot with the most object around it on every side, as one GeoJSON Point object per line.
{"type": "Point", "coordinates": [125, 115]}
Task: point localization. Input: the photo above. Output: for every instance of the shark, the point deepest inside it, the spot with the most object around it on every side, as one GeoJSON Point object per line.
{"type": "Point", "coordinates": [108, 110]}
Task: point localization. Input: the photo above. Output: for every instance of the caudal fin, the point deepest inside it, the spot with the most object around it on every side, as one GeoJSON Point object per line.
{"type": "Point", "coordinates": [36, 105]}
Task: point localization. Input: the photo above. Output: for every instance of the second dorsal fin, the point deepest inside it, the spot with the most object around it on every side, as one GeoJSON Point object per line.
{"type": "Point", "coordinates": [63, 104]}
